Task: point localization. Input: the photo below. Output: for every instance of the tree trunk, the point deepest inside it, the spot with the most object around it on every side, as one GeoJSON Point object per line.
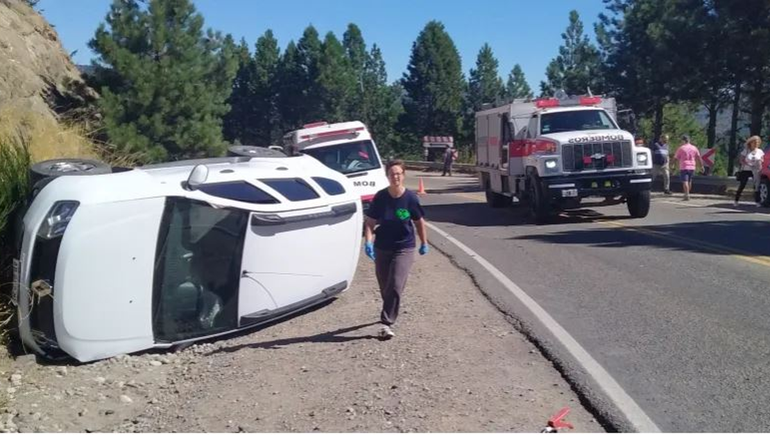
{"type": "Point", "coordinates": [711, 130]}
{"type": "Point", "coordinates": [657, 127]}
{"type": "Point", "coordinates": [757, 113]}
{"type": "Point", "coordinates": [732, 151]}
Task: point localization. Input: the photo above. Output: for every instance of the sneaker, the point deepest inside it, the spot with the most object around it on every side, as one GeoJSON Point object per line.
{"type": "Point", "coordinates": [386, 333]}
{"type": "Point", "coordinates": [667, 192]}
{"type": "Point", "coordinates": [735, 203]}
{"type": "Point", "coordinates": [686, 198]}
{"type": "Point", "coordinates": [758, 204]}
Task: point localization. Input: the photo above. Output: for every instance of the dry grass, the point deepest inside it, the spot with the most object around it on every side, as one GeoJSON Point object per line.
{"type": "Point", "coordinates": [26, 138]}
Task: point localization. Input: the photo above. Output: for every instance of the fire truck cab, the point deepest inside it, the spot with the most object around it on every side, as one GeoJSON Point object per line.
{"type": "Point", "coordinates": [554, 153]}
{"type": "Point", "coordinates": [346, 147]}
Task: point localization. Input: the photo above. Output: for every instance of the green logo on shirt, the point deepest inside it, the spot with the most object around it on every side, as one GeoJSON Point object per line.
{"type": "Point", "coordinates": [402, 214]}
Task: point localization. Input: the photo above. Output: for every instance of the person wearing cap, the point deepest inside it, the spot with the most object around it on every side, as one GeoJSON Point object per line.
{"type": "Point", "coordinates": [688, 156]}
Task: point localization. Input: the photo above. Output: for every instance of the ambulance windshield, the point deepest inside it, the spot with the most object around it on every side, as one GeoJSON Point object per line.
{"type": "Point", "coordinates": [577, 120]}
{"type": "Point", "coordinates": [348, 157]}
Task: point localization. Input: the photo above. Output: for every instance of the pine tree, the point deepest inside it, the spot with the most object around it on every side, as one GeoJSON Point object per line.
{"type": "Point", "coordinates": [484, 84]}
{"type": "Point", "coordinates": [336, 80]}
{"type": "Point", "coordinates": [382, 102]}
{"type": "Point", "coordinates": [238, 124]}
{"type": "Point", "coordinates": [433, 85]}
{"type": "Point", "coordinates": [577, 67]}
{"type": "Point", "coordinates": [309, 54]}
{"type": "Point", "coordinates": [291, 89]}
{"type": "Point", "coordinates": [355, 50]}
{"type": "Point", "coordinates": [517, 86]}
{"type": "Point", "coordinates": [164, 82]}
{"type": "Point", "coordinates": [266, 59]}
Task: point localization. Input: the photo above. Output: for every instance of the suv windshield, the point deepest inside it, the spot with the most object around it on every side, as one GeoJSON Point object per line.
{"type": "Point", "coordinates": [348, 157]}
{"type": "Point", "coordinates": [197, 270]}
{"type": "Point", "coordinates": [575, 121]}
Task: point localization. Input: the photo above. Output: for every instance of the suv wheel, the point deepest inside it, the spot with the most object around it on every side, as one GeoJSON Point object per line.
{"type": "Point", "coordinates": [66, 167]}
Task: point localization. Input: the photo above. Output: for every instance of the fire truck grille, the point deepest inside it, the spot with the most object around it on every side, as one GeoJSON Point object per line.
{"type": "Point", "coordinates": [589, 156]}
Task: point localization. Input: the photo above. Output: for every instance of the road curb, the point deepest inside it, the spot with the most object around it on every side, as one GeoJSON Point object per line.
{"type": "Point", "coordinates": [614, 411]}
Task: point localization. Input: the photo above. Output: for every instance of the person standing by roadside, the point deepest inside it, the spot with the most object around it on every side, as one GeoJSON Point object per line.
{"type": "Point", "coordinates": [660, 162]}
{"type": "Point", "coordinates": [688, 156]}
{"type": "Point", "coordinates": [450, 155]}
{"type": "Point", "coordinates": [391, 221]}
{"type": "Point", "coordinates": [751, 165]}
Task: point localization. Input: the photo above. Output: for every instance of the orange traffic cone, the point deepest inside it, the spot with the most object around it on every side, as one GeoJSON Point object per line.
{"type": "Point", "coordinates": [421, 188]}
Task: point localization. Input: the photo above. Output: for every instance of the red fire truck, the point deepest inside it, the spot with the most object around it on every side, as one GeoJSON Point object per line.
{"type": "Point", "coordinates": [556, 153]}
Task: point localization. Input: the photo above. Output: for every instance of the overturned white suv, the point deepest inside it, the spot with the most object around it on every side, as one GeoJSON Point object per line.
{"type": "Point", "coordinates": [162, 255]}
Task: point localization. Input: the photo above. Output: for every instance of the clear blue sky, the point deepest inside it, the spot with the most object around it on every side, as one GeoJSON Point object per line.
{"type": "Point", "coordinates": [519, 31]}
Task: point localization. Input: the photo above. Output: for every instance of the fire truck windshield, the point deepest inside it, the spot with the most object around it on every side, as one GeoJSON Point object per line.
{"type": "Point", "coordinates": [347, 157]}
{"type": "Point", "coordinates": [577, 120]}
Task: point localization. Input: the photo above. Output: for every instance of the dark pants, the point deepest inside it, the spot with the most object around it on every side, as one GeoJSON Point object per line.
{"type": "Point", "coordinates": [392, 269]}
{"type": "Point", "coordinates": [743, 179]}
{"type": "Point", "coordinates": [447, 168]}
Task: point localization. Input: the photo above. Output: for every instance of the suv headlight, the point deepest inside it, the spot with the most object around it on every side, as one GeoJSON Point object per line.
{"type": "Point", "coordinates": [641, 158]}
{"type": "Point", "coordinates": [57, 219]}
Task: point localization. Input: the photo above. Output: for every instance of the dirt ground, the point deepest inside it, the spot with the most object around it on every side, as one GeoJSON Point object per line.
{"type": "Point", "coordinates": [455, 365]}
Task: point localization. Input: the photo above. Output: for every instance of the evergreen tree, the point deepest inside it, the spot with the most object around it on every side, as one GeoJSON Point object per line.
{"type": "Point", "coordinates": [433, 85]}
{"type": "Point", "coordinates": [266, 59]}
{"type": "Point", "coordinates": [238, 124]}
{"type": "Point", "coordinates": [355, 50]}
{"type": "Point", "coordinates": [309, 55]}
{"type": "Point", "coordinates": [577, 67]}
{"type": "Point", "coordinates": [164, 82]}
{"type": "Point", "coordinates": [484, 84]}
{"type": "Point", "coordinates": [382, 103]}
{"type": "Point", "coordinates": [517, 86]}
{"type": "Point", "coordinates": [291, 89]}
{"type": "Point", "coordinates": [336, 80]}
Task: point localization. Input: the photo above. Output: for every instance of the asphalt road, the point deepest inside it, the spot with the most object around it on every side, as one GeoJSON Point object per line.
{"type": "Point", "coordinates": [675, 306]}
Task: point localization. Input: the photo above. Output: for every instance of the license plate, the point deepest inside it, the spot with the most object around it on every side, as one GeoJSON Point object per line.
{"type": "Point", "coordinates": [15, 288]}
{"type": "Point", "coordinates": [569, 193]}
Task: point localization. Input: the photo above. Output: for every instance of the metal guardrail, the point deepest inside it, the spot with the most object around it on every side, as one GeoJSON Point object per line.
{"type": "Point", "coordinates": [701, 183]}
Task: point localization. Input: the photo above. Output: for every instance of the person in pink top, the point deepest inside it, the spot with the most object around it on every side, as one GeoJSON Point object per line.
{"type": "Point", "coordinates": [688, 156]}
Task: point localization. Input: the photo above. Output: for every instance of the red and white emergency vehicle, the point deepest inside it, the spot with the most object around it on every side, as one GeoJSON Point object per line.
{"type": "Point", "coordinates": [346, 147]}
{"type": "Point", "coordinates": [553, 153]}
{"type": "Point", "coordinates": [764, 183]}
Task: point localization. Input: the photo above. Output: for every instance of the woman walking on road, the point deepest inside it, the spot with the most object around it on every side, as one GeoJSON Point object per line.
{"type": "Point", "coordinates": [751, 165]}
{"type": "Point", "coordinates": [391, 221]}
{"type": "Point", "coordinates": [687, 155]}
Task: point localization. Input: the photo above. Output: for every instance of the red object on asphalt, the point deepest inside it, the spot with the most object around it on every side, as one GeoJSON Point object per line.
{"type": "Point", "coordinates": [556, 422]}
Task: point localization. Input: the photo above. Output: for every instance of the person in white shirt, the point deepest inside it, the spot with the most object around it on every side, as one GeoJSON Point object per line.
{"type": "Point", "coordinates": [751, 165]}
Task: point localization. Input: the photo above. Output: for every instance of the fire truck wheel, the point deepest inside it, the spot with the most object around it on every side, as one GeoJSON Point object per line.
{"type": "Point", "coordinates": [639, 204]}
{"type": "Point", "coordinates": [538, 204]}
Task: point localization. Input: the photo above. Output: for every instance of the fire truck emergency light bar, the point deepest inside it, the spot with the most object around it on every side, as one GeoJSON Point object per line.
{"type": "Point", "coordinates": [331, 133]}
{"type": "Point", "coordinates": [544, 103]}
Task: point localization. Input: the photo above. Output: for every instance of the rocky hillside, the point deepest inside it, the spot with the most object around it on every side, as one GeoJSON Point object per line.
{"type": "Point", "coordinates": [35, 72]}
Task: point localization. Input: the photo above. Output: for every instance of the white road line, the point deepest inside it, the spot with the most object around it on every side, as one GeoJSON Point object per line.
{"type": "Point", "coordinates": [632, 411]}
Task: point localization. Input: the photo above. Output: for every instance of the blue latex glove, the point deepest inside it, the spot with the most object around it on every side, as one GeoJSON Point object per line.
{"type": "Point", "coordinates": [424, 249]}
{"type": "Point", "coordinates": [369, 249]}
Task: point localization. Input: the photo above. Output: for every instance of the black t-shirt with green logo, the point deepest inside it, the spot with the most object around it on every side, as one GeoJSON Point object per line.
{"type": "Point", "coordinates": [394, 217]}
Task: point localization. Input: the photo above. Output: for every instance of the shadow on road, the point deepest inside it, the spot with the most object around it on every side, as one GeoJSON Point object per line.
{"type": "Point", "coordinates": [324, 337]}
{"type": "Point", "coordinates": [718, 237]}
{"type": "Point", "coordinates": [478, 214]}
